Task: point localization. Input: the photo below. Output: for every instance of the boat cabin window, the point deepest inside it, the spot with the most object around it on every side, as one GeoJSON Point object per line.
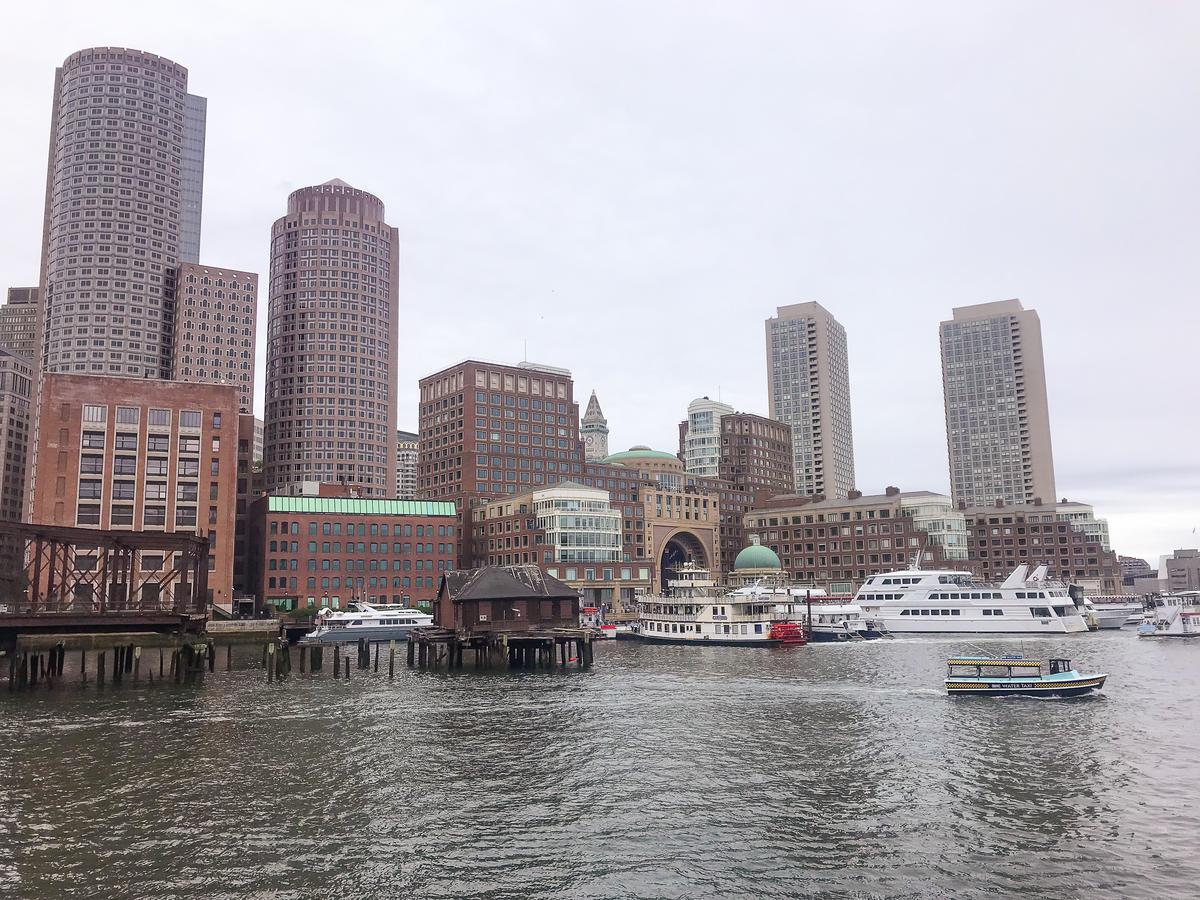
{"type": "Point", "coordinates": [993, 612]}
{"type": "Point", "coordinates": [1060, 611]}
{"type": "Point", "coordinates": [1059, 666]}
{"type": "Point", "coordinates": [1040, 612]}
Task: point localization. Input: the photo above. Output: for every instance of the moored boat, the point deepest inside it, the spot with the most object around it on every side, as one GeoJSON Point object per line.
{"type": "Point", "coordinates": [375, 622]}
{"type": "Point", "coordinates": [1114, 612]}
{"type": "Point", "coordinates": [1173, 615]}
{"type": "Point", "coordinates": [1015, 676]}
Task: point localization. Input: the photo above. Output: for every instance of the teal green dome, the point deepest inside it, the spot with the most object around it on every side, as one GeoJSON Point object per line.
{"type": "Point", "coordinates": [638, 452]}
{"type": "Point", "coordinates": [756, 556]}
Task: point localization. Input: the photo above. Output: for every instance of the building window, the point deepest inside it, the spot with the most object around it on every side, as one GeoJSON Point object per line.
{"type": "Point", "coordinates": [127, 415]}
{"type": "Point", "coordinates": [189, 418]}
{"type": "Point", "coordinates": [160, 418]}
{"type": "Point", "coordinates": [95, 414]}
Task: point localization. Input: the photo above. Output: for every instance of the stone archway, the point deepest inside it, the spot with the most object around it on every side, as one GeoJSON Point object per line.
{"type": "Point", "coordinates": [679, 548]}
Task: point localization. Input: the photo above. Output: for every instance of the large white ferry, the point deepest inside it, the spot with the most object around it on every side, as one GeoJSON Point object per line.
{"type": "Point", "coordinates": [1173, 615]}
{"type": "Point", "coordinates": [694, 611]}
{"type": "Point", "coordinates": [375, 622]}
{"type": "Point", "coordinates": [929, 602]}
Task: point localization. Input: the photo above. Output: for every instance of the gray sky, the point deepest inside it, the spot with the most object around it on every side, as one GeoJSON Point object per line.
{"type": "Point", "coordinates": [637, 185]}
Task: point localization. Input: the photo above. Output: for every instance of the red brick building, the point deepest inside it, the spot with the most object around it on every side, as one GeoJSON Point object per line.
{"type": "Point", "coordinates": [311, 551]}
{"type": "Point", "coordinates": [113, 452]}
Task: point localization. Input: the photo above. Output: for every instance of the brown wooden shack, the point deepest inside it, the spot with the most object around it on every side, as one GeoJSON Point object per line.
{"type": "Point", "coordinates": [505, 599]}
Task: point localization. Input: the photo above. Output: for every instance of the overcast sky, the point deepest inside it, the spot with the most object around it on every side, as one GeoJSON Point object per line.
{"type": "Point", "coordinates": [633, 187]}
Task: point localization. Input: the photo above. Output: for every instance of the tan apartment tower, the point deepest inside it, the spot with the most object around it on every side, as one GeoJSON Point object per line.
{"type": "Point", "coordinates": [332, 327]}
{"type": "Point", "coordinates": [123, 184]}
{"type": "Point", "coordinates": [997, 416]}
{"type": "Point", "coordinates": [808, 388]}
{"type": "Point", "coordinates": [216, 312]}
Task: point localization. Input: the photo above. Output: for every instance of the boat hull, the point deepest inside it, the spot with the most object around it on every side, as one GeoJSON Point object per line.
{"type": "Point", "coordinates": [1074, 687]}
{"type": "Point", "coordinates": [374, 634]}
{"type": "Point", "coordinates": [715, 641]}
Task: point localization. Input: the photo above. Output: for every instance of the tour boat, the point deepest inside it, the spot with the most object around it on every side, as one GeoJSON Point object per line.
{"type": "Point", "coordinates": [375, 622]}
{"type": "Point", "coordinates": [694, 611]}
{"type": "Point", "coordinates": [918, 601]}
{"type": "Point", "coordinates": [1173, 615]}
{"type": "Point", "coordinates": [1014, 675]}
{"type": "Point", "coordinates": [834, 619]}
{"type": "Point", "coordinates": [1114, 612]}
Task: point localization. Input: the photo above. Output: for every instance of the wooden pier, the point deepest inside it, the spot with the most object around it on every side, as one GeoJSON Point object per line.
{"type": "Point", "coordinates": [556, 648]}
{"type": "Point", "coordinates": [116, 656]}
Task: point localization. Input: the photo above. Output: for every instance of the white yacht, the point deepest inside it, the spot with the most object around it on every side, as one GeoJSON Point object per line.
{"type": "Point", "coordinates": [1173, 615]}
{"type": "Point", "coordinates": [375, 622]}
{"type": "Point", "coordinates": [1115, 611]}
{"type": "Point", "coordinates": [834, 619]}
{"type": "Point", "coordinates": [919, 601]}
{"type": "Point", "coordinates": [694, 611]}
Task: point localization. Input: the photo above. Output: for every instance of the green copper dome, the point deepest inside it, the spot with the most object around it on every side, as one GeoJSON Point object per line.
{"type": "Point", "coordinates": [638, 452]}
{"type": "Point", "coordinates": [756, 556]}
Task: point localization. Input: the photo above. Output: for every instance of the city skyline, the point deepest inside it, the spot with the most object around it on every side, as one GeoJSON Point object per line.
{"type": "Point", "coordinates": [482, 232]}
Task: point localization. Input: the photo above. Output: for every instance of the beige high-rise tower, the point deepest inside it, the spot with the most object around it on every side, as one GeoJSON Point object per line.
{"type": "Point", "coordinates": [332, 327]}
{"type": "Point", "coordinates": [997, 416]}
{"type": "Point", "coordinates": [808, 388]}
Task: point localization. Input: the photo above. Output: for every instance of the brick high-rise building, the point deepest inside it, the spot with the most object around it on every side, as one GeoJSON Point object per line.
{"type": "Point", "coordinates": [808, 388]}
{"type": "Point", "coordinates": [141, 454]}
{"type": "Point", "coordinates": [16, 396]}
{"type": "Point", "coordinates": [215, 320]}
{"type": "Point", "coordinates": [489, 430]}
{"type": "Point", "coordinates": [18, 322]}
{"type": "Point", "coordinates": [997, 415]}
{"type": "Point", "coordinates": [332, 329]}
{"type": "Point", "coordinates": [115, 211]}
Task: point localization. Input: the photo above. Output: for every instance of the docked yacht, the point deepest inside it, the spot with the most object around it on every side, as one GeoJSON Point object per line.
{"type": "Point", "coordinates": [1173, 615]}
{"type": "Point", "coordinates": [695, 611]}
{"type": "Point", "coordinates": [920, 601]}
{"type": "Point", "coordinates": [375, 622]}
{"type": "Point", "coordinates": [834, 619]}
{"type": "Point", "coordinates": [1115, 611]}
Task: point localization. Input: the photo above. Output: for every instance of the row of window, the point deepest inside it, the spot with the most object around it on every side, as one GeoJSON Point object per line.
{"type": "Point", "coordinates": [376, 529]}
{"type": "Point", "coordinates": [335, 583]}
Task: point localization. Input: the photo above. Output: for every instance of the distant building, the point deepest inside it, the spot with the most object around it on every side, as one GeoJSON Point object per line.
{"type": "Point", "coordinates": [1132, 568]}
{"type": "Point", "coordinates": [256, 459]}
{"type": "Point", "coordinates": [1083, 517]}
{"type": "Point", "coordinates": [997, 415]}
{"type": "Point", "coordinates": [140, 454]}
{"type": "Point", "coordinates": [756, 564]}
{"type": "Point", "coordinates": [407, 446]}
{"type": "Point", "coordinates": [837, 544]}
{"type": "Point", "coordinates": [573, 532]}
{"type": "Point", "coordinates": [16, 396]}
{"type": "Point", "coordinates": [700, 442]}
{"type": "Point", "coordinates": [249, 489]}
{"type": "Point", "coordinates": [18, 322]}
{"type": "Point", "coordinates": [216, 311]}
{"type": "Point", "coordinates": [593, 430]}
{"type": "Point", "coordinates": [312, 551]}
{"type": "Point", "coordinates": [1183, 570]}
{"type": "Point", "coordinates": [331, 354]}
{"type": "Point", "coordinates": [1002, 537]}
{"type": "Point", "coordinates": [808, 386]}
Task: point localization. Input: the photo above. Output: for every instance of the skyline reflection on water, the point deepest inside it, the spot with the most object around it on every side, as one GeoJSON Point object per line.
{"type": "Point", "coordinates": [664, 772]}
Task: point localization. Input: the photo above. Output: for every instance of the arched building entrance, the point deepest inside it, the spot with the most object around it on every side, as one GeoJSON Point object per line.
{"type": "Point", "coordinates": [681, 547]}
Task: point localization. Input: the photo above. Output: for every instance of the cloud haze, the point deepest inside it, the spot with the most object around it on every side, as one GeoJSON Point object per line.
{"type": "Point", "coordinates": [632, 188]}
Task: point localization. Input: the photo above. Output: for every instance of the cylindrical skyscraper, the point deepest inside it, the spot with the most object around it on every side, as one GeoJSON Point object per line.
{"type": "Point", "coordinates": [331, 343]}
{"type": "Point", "coordinates": [117, 181]}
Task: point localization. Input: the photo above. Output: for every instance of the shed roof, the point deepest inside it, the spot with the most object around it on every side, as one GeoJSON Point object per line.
{"type": "Point", "coordinates": [506, 583]}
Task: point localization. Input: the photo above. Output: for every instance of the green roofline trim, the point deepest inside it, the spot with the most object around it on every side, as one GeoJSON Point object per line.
{"type": "Point", "coordinates": [361, 507]}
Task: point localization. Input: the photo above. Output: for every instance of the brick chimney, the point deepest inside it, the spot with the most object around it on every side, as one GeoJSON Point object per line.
{"type": "Point", "coordinates": [854, 495]}
{"type": "Point", "coordinates": [891, 491]}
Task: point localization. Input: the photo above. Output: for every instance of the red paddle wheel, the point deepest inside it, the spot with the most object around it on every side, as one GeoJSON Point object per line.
{"type": "Point", "coordinates": [788, 633]}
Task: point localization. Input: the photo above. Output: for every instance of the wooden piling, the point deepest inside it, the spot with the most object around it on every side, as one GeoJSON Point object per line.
{"type": "Point", "coordinates": [391, 659]}
{"type": "Point", "coordinates": [137, 663]}
{"type": "Point", "coordinates": [270, 662]}
{"type": "Point", "coordinates": [412, 649]}
{"type": "Point", "coordinates": [100, 668]}
{"type": "Point", "coordinates": [347, 668]}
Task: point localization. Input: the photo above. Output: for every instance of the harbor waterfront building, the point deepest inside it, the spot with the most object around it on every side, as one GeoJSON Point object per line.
{"type": "Point", "coordinates": [1178, 571]}
{"type": "Point", "coordinates": [836, 544]}
{"type": "Point", "coordinates": [140, 454]}
{"type": "Point", "coordinates": [1132, 568]}
{"type": "Point", "coordinates": [408, 445]}
{"type": "Point", "coordinates": [1002, 536]}
{"type": "Point", "coordinates": [489, 430]}
{"type": "Point", "coordinates": [249, 489]}
{"type": "Point", "coordinates": [313, 551]}
{"type": "Point", "coordinates": [997, 414]}
{"type": "Point", "coordinates": [572, 532]}
{"type": "Point", "coordinates": [332, 331]}
{"type": "Point", "coordinates": [18, 322]}
{"type": "Point", "coordinates": [16, 397]}
{"type": "Point", "coordinates": [593, 430]}
{"type": "Point", "coordinates": [216, 312]}
{"type": "Point", "coordinates": [115, 211]}
{"type": "Point", "coordinates": [808, 388]}
{"type": "Point", "coordinates": [700, 437]}
{"type": "Point", "coordinates": [1083, 517]}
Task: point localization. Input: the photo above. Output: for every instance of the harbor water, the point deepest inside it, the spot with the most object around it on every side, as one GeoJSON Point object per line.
{"type": "Point", "coordinates": [820, 771]}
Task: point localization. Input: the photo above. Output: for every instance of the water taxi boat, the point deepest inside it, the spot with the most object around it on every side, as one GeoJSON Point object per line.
{"type": "Point", "coordinates": [695, 611]}
{"type": "Point", "coordinates": [920, 601]}
{"type": "Point", "coordinates": [1016, 676]}
{"type": "Point", "coordinates": [375, 622]}
{"type": "Point", "coordinates": [1173, 615]}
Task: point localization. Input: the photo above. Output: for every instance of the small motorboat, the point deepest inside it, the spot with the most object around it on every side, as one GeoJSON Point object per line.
{"type": "Point", "coordinates": [1017, 676]}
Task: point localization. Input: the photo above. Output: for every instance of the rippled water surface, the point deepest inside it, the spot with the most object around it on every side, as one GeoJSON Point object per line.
{"type": "Point", "coordinates": [664, 772]}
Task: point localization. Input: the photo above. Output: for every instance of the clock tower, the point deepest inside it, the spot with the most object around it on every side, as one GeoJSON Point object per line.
{"type": "Point", "coordinates": [593, 431]}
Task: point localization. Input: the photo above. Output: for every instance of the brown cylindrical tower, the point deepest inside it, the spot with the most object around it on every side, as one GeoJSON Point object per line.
{"type": "Point", "coordinates": [332, 329]}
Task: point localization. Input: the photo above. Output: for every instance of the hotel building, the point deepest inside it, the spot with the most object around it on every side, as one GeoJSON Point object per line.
{"type": "Point", "coordinates": [215, 320]}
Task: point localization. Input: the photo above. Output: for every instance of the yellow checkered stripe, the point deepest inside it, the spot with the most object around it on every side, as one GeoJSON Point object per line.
{"type": "Point", "coordinates": [1048, 685]}
{"type": "Point", "coordinates": [1002, 663]}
